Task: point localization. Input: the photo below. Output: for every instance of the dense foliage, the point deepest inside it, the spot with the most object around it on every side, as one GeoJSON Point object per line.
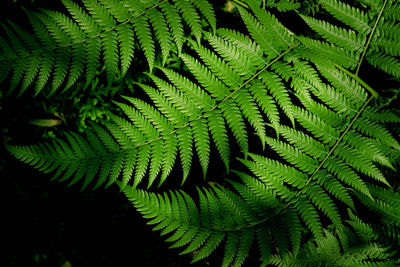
{"type": "Point", "coordinates": [297, 104]}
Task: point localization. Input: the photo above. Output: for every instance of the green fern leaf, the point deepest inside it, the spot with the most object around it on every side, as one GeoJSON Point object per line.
{"type": "Point", "coordinates": [143, 33]}
{"type": "Point", "coordinates": [157, 149]}
{"type": "Point", "coordinates": [241, 64]}
{"type": "Point", "coordinates": [353, 17]}
{"type": "Point", "coordinates": [386, 63]}
{"type": "Point", "coordinates": [336, 149]}
{"type": "Point", "coordinates": [216, 124]}
{"type": "Point", "coordinates": [206, 78]}
{"type": "Point", "coordinates": [251, 113]}
{"type": "Point", "coordinates": [126, 45]}
{"type": "Point", "coordinates": [208, 12]}
{"type": "Point", "coordinates": [161, 30]}
{"type": "Point", "coordinates": [174, 23]}
{"type": "Point", "coordinates": [235, 121]}
{"type": "Point", "coordinates": [218, 66]}
{"type": "Point", "coordinates": [329, 52]}
{"type": "Point", "coordinates": [247, 47]}
{"type": "Point", "coordinates": [116, 9]}
{"type": "Point", "coordinates": [202, 142]}
{"type": "Point", "coordinates": [185, 149]}
{"type": "Point", "coordinates": [266, 102]}
{"type": "Point", "coordinates": [203, 228]}
{"type": "Point", "coordinates": [190, 15]}
{"type": "Point", "coordinates": [99, 13]}
{"type": "Point", "coordinates": [347, 39]}
{"type": "Point", "coordinates": [170, 146]}
{"type": "Point", "coordinates": [97, 28]}
{"type": "Point", "coordinates": [259, 33]}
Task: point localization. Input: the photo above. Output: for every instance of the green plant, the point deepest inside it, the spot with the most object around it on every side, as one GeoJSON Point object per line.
{"type": "Point", "coordinates": [68, 45]}
{"type": "Point", "coordinates": [323, 155]}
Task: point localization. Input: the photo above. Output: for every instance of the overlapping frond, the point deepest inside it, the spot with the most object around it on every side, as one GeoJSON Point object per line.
{"type": "Point", "coordinates": [323, 157]}
{"type": "Point", "coordinates": [331, 250]}
{"type": "Point", "coordinates": [371, 33]}
{"type": "Point", "coordinates": [325, 160]}
{"type": "Point", "coordinates": [66, 47]}
{"type": "Point", "coordinates": [185, 116]}
{"type": "Point", "coordinates": [384, 233]}
{"type": "Point", "coordinates": [222, 218]}
{"type": "Point", "coordinates": [252, 215]}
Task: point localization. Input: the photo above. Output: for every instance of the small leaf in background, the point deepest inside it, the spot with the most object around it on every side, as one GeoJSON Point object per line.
{"type": "Point", "coordinates": [58, 120]}
{"type": "Point", "coordinates": [66, 264]}
{"type": "Point", "coordinates": [229, 6]}
{"type": "Point", "coordinates": [46, 122]}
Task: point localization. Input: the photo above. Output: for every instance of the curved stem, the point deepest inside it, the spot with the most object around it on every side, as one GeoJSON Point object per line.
{"type": "Point", "coordinates": [355, 77]}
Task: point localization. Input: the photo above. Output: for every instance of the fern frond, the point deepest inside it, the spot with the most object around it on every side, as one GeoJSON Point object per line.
{"type": "Point", "coordinates": [386, 206]}
{"type": "Point", "coordinates": [174, 23]}
{"type": "Point", "coordinates": [352, 16]}
{"type": "Point", "coordinates": [325, 152]}
{"type": "Point", "coordinates": [162, 33]}
{"type": "Point", "coordinates": [324, 51]}
{"type": "Point", "coordinates": [203, 227]}
{"type": "Point", "coordinates": [259, 33]}
{"type": "Point", "coordinates": [386, 63]}
{"type": "Point", "coordinates": [327, 251]}
{"type": "Point", "coordinates": [65, 45]}
{"type": "Point", "coordinates": [207, 10]}
{"type": "Point", "coordinates": [392, 12]}
{"type": "Point", "coordinates": [373, 35]}
{"type": "Point", "coordinates": [248, 47]}
{"type": "Point", "coordinates": [216, 124]}
{"type": "Point", "coordinates": [126, 46]}
{"type": "Point", "coordinates": [194, 113]}
{"type": "Point", "coordinates": [384, 234]}
{"type": "Point", "coordinates": [327, 148]}
{"type": "Point", "coordinates": [190, 15]}
{"type": "Point", "coordinates": [347, 39]}
{"type": "Point", "coordinates": [189, 115]}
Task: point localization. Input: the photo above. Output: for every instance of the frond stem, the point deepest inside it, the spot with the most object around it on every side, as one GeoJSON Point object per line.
{"type": "Point", "coordinates": [211, 109]}
{"type": "Point", "coordinates": [256, 74]}
{"type": "Point", "coordinates": [228, 96]}
{"type": "Point", "coordinates": [337, 142]}
{"type": "Point", "coordinates": [312, 175]}
{"type": "Point", "coordinates": [370, 38]}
